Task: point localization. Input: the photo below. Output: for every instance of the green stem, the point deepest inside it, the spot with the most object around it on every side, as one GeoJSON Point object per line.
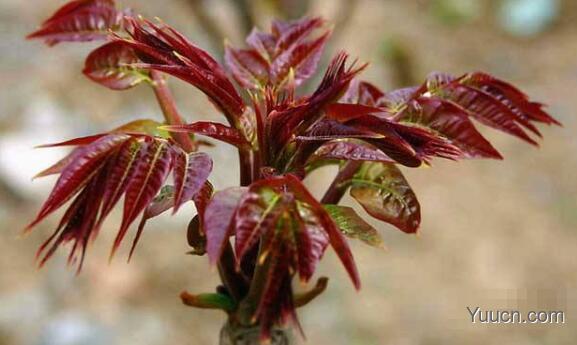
{"type": "Point", "coordinates": [168, 106]}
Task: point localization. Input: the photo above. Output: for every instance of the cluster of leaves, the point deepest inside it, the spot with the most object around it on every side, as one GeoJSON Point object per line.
{"type": "Point", "coordinates": [280, 229]}
{"type": "Point", "coordinates": [130, 161]}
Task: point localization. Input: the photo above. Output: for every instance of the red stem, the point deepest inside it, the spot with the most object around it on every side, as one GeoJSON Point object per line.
{"type": "Point", "coordinates": [168, 106]}
{"type": "Point", "coordinates": [231, 279]}
{"type": "Point", "coordinates": [337, 189]}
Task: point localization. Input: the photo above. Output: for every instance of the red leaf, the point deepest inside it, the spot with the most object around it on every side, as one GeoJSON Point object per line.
{"type": "Point", "coordinates": [75, 142]}
{"type": "Point", "coordinates": [327, 129]}
{"type": "Point", "coordinates": [57, 167]}
{"type": "Point", "coordinates": [137, 127]}
{"type": "Point", "coordinates": [110, 66]}
{"type": "Point", "coordinates": [248, 67]}
{"type": "Point", "coordinates": [350, 150]}
{"type": "Point", "coordinates": [78, 21]}
{"type": "Point", "coordinates": [201, 200]}
{"type": "Point", "coordinates": [77, 224]}
{"type": "Point", "coordinates": [164, 49]}
{"type": "Point", "coordinates": [336, 239]}
{"type": "Point", "coordinates": [149, 175]}
{"type": "Point", "coordinates": [119, 175]}
{"type": "Point", "coordinates": [297, 120]}
{"type": "Point", "coordinates": [218, 217]}
{"type": "Point", "coordinates": [302, 59]}
{"type": "Point", "coordinates": [283, 59]}
{"type": "Point", "coordinates": [257, 213]}
{"type": "Point", "coordinates": [86, 163]}
{"type": "Point", "coordinates": [492, 102]}
{"type": "Point", "coordinates": [262, 42]}
{"type": "Point", "coordinates": [191, 171]}
{"type": "Point", "coordinates": [312, 240]}
{"type": "Point", "coordinates": [213, 130]}
{"type": "Point", "coordinates": [161, 203]}
{"type": "Point", "coordinates": [486, 109]}
{"type": "Point", "coordinates": [512, 97]}
{"type": "Point", "coordinates": [102, 170]}
{"type": "Point", "coordinates": [73, 6]}
{"type": "Point", "coordinates": [290, 34]}
{"type": "Point", "coordinates": [362, 92]}
{"type": "Point", "coordinates": [453, 123]}
{"type": "Point", "coordinates": [383, 192]}
{"type": "Point", "coordinates": [343, 112]}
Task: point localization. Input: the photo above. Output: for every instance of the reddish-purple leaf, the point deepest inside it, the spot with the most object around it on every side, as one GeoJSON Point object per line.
{"type": "Point", "coordinates": [311, 239]}
{"type": "Point", "coordinates": [218, 217]}
{"type": "Point", "coordinates": [408, 145]}
{"type": "Point", "coordinates": [160, 204]}
{"type": "Point", "coordinates": [191, 171]}
{"type": "Point", "coordinates": [283, 125]}
{"type": "Point", "coordinates": [111, 66]}
{"type": "Point", "coordinates": [257, 213]}
{"type": "Point", "coordinates": [343, 112]}
{"type": "Point", "coordinates": [262, 42]}
{"type": "Point", "coordinates": [362, 92]}
{"type": "Point", "coordinates": [75, 142]}
{"type": "Point", "coordinates": [164, 49]}
{"type": "Point", "coordinates": [486, 109]}
{"type": "Point", "coordinates": [327, 129]}
{"type": "Point", "coordinates": [78, 173]}
{"type": "Point", "coordinates": [57, 167]}
{"type": "Point", "coordinates": [353, 150]}
{"type": "Point", "coordinates": [149, 175]}
{"type": "Point", "coordinates": [509, 95]}
{"type": "Point", "coordinates": [248, 67]}
{"type": "Point", "coordinates": [80, 21]}
{"type": "Point", "coordinates": [492, 102]}
{"type": "Point", "coordinates": [302, 59]}
{"type": "Point", "coordinates": [77, 224]}
{"type": "Point", "coordinates": [453, 123]}
{"type": "Point", "coordinates": [136, 127]}
{"type": "Point", "coordinates": [213, 130]}
{"type": "Point", "coordinates": [383, 192]}
{"type": "Point", "coordinates": [336, 239]}
{"type": "Point", "coordinates": [201, 200]}
{"type": "Point", "coordinates": [119, 175]}
{"type": "Point", "coordinates": [290, 34]}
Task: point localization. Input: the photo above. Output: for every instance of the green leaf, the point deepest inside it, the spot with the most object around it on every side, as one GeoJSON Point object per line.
{"type": "Point", "coordinates": [353, 226]}
{"type": "Point", "coordinates": [385, 194]}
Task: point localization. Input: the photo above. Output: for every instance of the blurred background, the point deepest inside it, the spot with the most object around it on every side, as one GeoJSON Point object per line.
{"type": "Point", "coordinates": [498, 235]}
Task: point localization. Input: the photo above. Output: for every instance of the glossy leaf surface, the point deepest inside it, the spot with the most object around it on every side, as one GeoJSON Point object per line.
{"type": "Point", "coordinates": [353, 226]}
{"type": "Point", "coordinates": [383, 192]}
{"type": "Point", "coordinates": [80, 20]}
{"type": "Point", "coordinates": [111, 66]}
{"type": "Point", "coordinates": [108, 166]}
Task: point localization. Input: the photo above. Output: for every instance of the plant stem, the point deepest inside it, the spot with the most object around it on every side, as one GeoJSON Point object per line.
{"type": "Point", "coordinates": [235, 334]}
{"type": "Point", "coordinates": [168, 106]}
{"type": "Point", "coordinates": [233, 281]}
{"type": "Point", "coordinates": [336, 190]}
{"type": "Point", "coordinates": [245, 161]}
{"type": "Point", "coordinates": [226, 265]}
